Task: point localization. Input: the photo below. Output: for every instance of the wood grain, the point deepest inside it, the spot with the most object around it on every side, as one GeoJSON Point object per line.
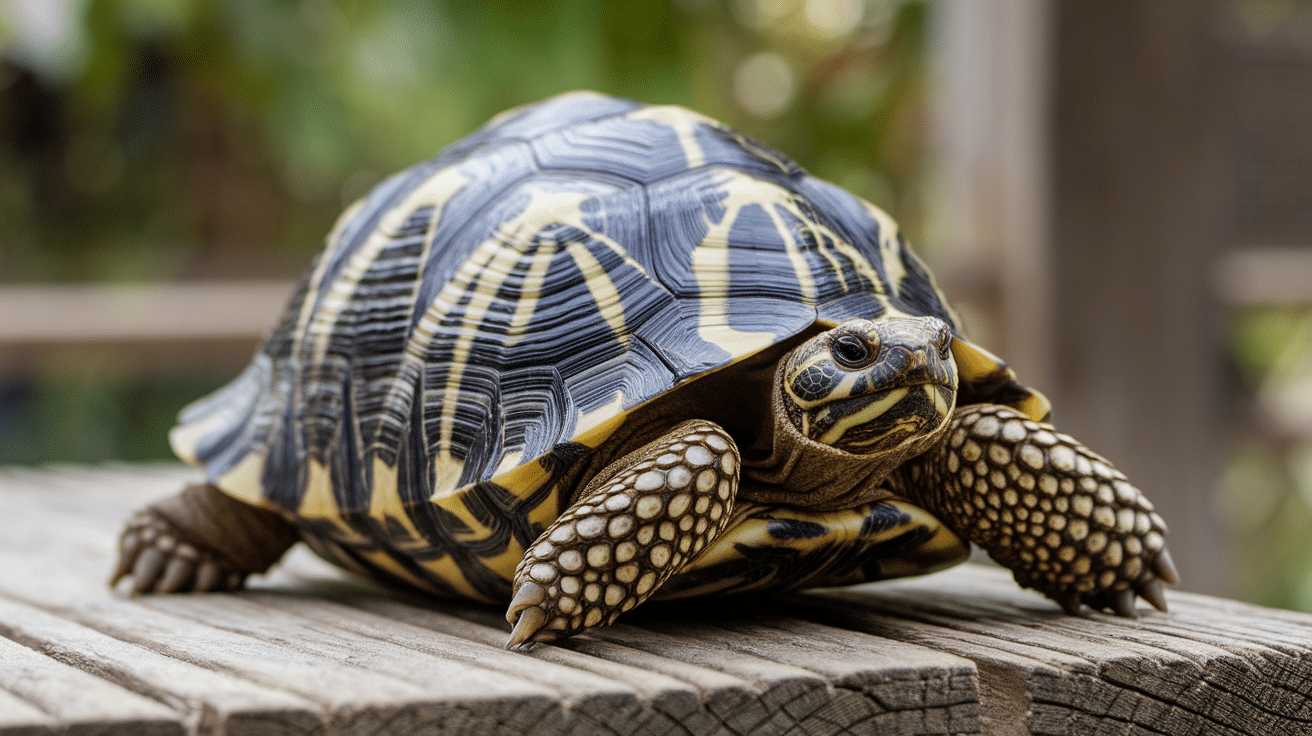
{"type": "Point", "coordinates": [311, 650]}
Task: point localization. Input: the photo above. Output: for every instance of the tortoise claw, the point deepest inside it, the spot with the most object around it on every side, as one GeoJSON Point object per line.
{"type": "Point", "coordinates": [530, 622]}
{"type": "Point", "coordinates": [176, 574]}
{"type": "Point", "coordinates": [1151, 591]}
{"type": "Point", "coordinates": [208, 577]}
{"type": "Point", "coordinates": [1164, 568]}
{"type": "Point", "coordinates": [147, 567]}
{"type": "Point", "coordinates": [1122, 602]}
{"type": "Point", "coordinates": [1070, 603]}
{"type": "Point", "coordinates": [525, 613]}
{"type": "Point", "coordinates": [129, 548]}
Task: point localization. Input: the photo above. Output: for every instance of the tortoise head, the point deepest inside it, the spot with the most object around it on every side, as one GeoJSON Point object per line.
{"type": "Point", "coordinates": [870, 387]}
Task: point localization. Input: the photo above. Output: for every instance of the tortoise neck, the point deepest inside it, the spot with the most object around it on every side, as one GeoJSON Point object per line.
{"type": "Point", "coordinates": [784, 466]}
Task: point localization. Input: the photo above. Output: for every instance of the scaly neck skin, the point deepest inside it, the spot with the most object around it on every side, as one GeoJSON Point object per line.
{"type": "Point", "coordinates": [785, 467]}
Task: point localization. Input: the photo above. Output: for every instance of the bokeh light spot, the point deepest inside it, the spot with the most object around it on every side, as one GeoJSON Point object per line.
{"type": "Point", "coordinates": [764, 84]}
{"type": "Point", "coordinates": [833, 18]}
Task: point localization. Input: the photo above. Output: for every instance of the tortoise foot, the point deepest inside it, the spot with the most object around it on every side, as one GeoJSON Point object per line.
{"type": "Point", "coordinates": [636, 523]}
{"type": "Point", "coordinates": [1065, 521]}
{"type": "Point", "coordinates": [199, 540]}
{"type": "Point", "coordinates": [159, 560]}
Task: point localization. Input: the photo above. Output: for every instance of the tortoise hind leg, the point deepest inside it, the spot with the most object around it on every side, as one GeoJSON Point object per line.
{"type": "Point", "coordinates": [199, 540]}
{"type": "Point", "coordinates": [1059, 516]}
{"type": "Point", "coordinates": [634, 525]}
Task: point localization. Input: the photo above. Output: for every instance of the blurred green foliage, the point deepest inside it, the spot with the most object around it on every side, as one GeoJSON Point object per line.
{"type": "Point", "coordinates": [182, 139]}
{"type": "Point", "coordinates": [1264, 496]}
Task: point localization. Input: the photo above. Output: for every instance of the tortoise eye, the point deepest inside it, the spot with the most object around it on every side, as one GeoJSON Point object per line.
{"type": "Point", "coordinates": [851, 351]}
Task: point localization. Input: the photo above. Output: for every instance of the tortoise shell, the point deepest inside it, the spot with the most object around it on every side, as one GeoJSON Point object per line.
{"type": "Point", "coordinates": [481, 320]}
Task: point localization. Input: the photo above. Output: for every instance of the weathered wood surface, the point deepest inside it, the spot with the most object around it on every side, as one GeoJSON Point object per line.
{"type": "Point", "coordinates": [313, 651]}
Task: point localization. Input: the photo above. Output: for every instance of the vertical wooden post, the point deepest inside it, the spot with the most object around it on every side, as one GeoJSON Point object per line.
{"type": "Point", "coordinates": [992, 103]}
{"type": "Point", "coordinates": [1139, 216]}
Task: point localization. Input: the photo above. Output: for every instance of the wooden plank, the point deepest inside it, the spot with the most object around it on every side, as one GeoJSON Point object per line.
{"type": "Point", "coordinates": [899, 688]}
{"type": "Point", "coordinates": [803, 677]}
{"type": "Point", "coordinates": [461, 670]}
{"type": "Point", "coordinates": [359, 685]}
{"type": "Point", "coordinates": [1190, 671]}
{"type": "Point", "coordinates": [682, 696]}
{"type": "Point", "coordinates": [77, 702]}
{"type": "Point", "coordinates": [339, 675]}
{"type": "Point", "coordinates": [224, 703]}
{"type": "Point", "coordinates": [353, 694]}
{"type": "Point", "coordinates": [20, 718]}
{"type": "Point", "coordinates": [312, 650]}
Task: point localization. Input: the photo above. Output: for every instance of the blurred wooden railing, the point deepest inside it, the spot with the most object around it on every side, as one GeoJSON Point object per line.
{"type": "Point", "coordinates": [1265, 277]}
{"type": "Point", "coordinates": [144, 327]}
{"type": "Point", "coordinates": [162, 325]}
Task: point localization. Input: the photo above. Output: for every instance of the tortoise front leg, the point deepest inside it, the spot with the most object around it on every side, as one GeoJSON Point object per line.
{"type": "Point", "coordinates": [1058, 515]}
{"type": "Point", "coordinates": [634, 525]}
{"type": "Point", "coordinates": [200, 540]}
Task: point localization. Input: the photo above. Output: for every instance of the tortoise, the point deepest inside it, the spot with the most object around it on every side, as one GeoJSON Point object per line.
{"type": "Point", "coordinates": [599, 352]}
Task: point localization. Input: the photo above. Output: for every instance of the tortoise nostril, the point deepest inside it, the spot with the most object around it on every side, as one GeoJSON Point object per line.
{"type": "Point", "coordinates": [945, 344]}
{"type": "Point", "coordinates": [943, 340]}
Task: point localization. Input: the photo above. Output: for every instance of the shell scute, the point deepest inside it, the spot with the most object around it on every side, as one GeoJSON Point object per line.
{"type": "Point", "coordinates": [530, 121]}
{"type": "Point", "coordinates": [642, 150]}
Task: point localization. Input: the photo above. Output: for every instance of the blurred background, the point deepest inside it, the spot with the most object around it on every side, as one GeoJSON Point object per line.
{"type": "Point", "coordinates": [1118, 195]}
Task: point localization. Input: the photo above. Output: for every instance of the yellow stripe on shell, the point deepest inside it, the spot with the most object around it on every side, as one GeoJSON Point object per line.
{"type": "Point", "coordinates": [502, 564]}
{"type": "Point", "coordinates": [710, 264]}
{"type": "Point", "coordinates": [602, 288]}
{"type": "Point", "coordinates": [482, 276]}
{"type": "Point", "coordinates": [710, 259]}
{"type": "Point", "coordinates": [491, 258]}
{"type": "Point", "coordinates": [318, 502]}
{"type": "Point", "coordinates": [388, 563]}
{"type": "Point", "coordinates": [835, 267]}
{"type": "Point", "coordinates": [435, 191]}
{"type": "Point", "coordinates": [529, 294]}
{"type": "Point", "coordinates": [385, 499]}
{"type": "Point", "coordinates": [593, 427]}
{"type": "Point", "coordinates": [684, 122]}
{"type": "Point", "coordinates": [805, 279]}
{"type": "Point", "coordinates": [889, 250]}
{"type": "Point", "coordinates": [315, 280]}
{"type": "Point", "coordinates": [245, 481]}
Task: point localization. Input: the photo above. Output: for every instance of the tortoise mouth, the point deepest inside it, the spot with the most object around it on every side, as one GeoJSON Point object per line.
{"type": "Point", "coordinates": [884, 420]}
